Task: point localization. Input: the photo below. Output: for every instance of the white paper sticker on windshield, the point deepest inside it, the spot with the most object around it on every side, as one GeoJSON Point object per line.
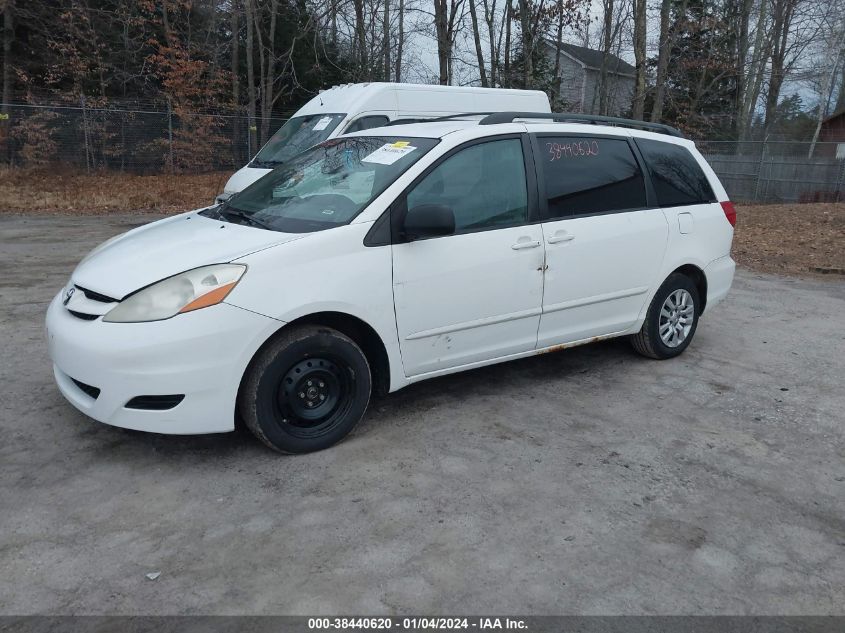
{"type": "Point", "coordinates": [322, 124]}
{"type": "Point", "coordinates": [389, 153]}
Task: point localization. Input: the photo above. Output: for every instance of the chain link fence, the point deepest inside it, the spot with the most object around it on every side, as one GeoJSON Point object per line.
{"type": "Point", "coordinates": [778, 171]}
{"type": "Point", "coordinates": [141, 139]}
{"type": "Point", "coordinates": [155, 138]}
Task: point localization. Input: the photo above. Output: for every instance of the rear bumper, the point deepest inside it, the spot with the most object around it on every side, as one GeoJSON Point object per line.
{"type": "Point", "coordinates": [720, 275]}
{"type": "Point", "coordinates": [201, 355]}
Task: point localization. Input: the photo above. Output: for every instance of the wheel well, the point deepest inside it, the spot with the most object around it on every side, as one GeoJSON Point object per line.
{"type": "Point", "coordinates": [364, 336]}
{"type": "Point", "coordinates": [699, 279]}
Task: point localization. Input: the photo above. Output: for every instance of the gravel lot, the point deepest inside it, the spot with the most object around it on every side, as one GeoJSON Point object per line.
{"type": "Point", "coordinates": [588, 481]}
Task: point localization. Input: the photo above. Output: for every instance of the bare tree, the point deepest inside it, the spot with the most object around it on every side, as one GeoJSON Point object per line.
{"type": "Point", "coordinates": [448, 17]}
{"type": "Point", "coordinates": [267, 63]}
{"type": "Point", "coordinates": [8, 39]}
{"type": "Point", "coordinates": [249, 16]}
{"type": "Point", "coordinates": [360, 37]}
{"type": "Point", "coordinates": [755, 68]}
{"type": "Point", "coordinates": [444, 46]}
{"type": "Point", "coordinates": [663, 54]}
{"type": "Point", "coordinates": [740, 17]}
{"type": "Point", "coordinates": [613, 20]}
{"type": "Point", "coordinates": [507, 52]}
{"type": "Point", "coordinates": [385, 28]}
{"type": "Point", "coordinates": [795, 24]}
{"type": "Point", "coordinates": [783, 12]}
{"type": "Point", "coordinates": [638, 108]}
{"type": "Point", "coordinates": [236, 74]}
{"type": "Point", "coordinates": [830, 56]}
{"type": "Point", "coordinates": [479, 51]}
{"type": "Point", "coordinates": [558, 45]}
{"type": "Point", "coordinates": [494, 42]}
{"type": "Point", "coordinates": [607, 43]}
{"type": "Point", "coordinates": [400, 40]}
{"type": "Point", "coordinates": [527, 35]}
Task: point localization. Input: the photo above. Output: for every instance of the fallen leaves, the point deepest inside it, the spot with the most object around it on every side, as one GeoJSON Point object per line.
{"type": "Point", "coordinates": [791, 239]}
{"type": "Point", "coordinates": [788, 239]}
{"type": "Point", "coordinates": [74, 192]}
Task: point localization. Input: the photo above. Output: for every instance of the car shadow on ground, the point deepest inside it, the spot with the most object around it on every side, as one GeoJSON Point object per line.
{"type": "Point", "coordinates": [514, 377]}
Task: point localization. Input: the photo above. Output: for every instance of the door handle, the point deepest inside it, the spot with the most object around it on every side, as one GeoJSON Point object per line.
{"type": "Point", "coordinates": [561, 237]}
{"type": "Point", "coordinates": [525, 244]}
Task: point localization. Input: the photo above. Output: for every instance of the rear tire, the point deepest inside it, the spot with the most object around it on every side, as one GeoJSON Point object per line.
{"type": "Point", "coordinates": [305, 390]}
{"type": "Point", "coordinates": [671, 320]}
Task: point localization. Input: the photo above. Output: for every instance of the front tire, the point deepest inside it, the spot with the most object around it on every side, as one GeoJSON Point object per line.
{"type": "Point", "coordinates": [305, 390]}
{"type": "Point", "coordinates": [671, 320]}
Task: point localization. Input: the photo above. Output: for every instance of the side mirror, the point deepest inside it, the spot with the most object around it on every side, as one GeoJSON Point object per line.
{"type": "Point", "coordinates": [428, 220]}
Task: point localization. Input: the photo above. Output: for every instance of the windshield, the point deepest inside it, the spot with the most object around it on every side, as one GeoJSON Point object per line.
{"type": "Point", "coordinates": [325, 186]}
{"type": "Point", "coordinates": [298, 134]}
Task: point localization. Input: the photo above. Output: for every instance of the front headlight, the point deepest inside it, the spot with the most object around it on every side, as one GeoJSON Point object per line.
{"type": "Point", "coordinates": [194, 289]}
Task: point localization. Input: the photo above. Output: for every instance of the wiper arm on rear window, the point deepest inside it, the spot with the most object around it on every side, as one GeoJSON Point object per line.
{"type": "Point", "coordinates": [226, 210]}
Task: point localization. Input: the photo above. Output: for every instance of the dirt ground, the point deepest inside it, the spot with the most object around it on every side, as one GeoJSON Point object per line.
{"type": "Point", "coordinates": [591, 481]}
{"type": "Point", "coordinates": [790, 239]}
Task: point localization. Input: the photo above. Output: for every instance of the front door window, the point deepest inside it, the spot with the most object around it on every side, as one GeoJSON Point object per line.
{"type": "Point", "coordinates": [483, 184]}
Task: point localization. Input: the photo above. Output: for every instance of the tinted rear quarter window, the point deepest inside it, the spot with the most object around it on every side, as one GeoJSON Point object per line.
{"type": "Point", "coordinates": [585, 175]}
{"type": "Point", "coordinates": [677, 177]}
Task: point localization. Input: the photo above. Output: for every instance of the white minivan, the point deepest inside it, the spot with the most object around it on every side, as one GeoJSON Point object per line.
{"type": "Point", "coordinates": [378, 259]}
{"type": "Point", "coordinates": [356, 107]}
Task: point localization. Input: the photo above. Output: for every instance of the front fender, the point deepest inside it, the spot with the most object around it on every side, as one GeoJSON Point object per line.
{"type": "Point", "coordinates": [327, 271]}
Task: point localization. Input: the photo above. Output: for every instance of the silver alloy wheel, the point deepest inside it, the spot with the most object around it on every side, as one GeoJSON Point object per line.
{"type": "Point", "coordinates": [676, 318]}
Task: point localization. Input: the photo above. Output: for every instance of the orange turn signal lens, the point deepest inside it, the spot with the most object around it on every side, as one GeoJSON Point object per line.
{"type": "Point", "coordinates": [210, 298]}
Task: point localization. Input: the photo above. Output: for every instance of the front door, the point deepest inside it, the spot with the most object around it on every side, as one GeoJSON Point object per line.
{"type": "Point", "coordinates": [475, 295]}
{"type": "Point", "coordinates": [604, 244]}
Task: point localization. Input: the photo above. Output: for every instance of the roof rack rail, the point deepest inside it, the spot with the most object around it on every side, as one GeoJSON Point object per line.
{"type": "Point", "coordinates": [575, 117]}
{"type": "Point", "coordinates": [447, 117]}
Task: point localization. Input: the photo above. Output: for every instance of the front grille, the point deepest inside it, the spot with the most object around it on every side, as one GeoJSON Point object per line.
{"type": "Point", "coordinates": [155, 403]}
{"type": "Point", "coordinates": [87, 389]}
{"type": "Point", "coordinates": [83, 316]}
{"type": "Point", "coordinates": [95, 296]}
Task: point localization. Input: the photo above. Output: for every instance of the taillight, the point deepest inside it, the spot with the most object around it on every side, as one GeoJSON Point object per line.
{"type": "Point", "coordinates": [730, 212]}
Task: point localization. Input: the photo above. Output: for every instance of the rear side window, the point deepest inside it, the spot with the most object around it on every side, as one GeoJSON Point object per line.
{"type": "Point", "coordinates": [677, 177]}
{"type": "Point", "coordinates": [585, 175]}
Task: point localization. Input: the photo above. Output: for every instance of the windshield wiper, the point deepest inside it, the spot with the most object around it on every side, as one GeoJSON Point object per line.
{"type": "Point", "coordinates": [227, 211]}
{"type": "Point", "coordinates": [265, 164]}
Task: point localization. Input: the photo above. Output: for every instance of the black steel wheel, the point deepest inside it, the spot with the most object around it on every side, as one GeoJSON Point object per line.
{"type": "Point", "coordinates": [305, 390]}
{"type": "Point", "coordinates": [313, 394]}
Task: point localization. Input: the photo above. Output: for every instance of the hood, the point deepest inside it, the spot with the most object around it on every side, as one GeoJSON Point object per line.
{"type": "Point", "coordinates": [161, 249]}
{"type": "Point", "coordinates": [243, 178]}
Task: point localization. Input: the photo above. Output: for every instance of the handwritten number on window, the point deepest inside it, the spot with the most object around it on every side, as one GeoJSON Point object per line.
{"type": "Point", "coordinates": [575, 149]}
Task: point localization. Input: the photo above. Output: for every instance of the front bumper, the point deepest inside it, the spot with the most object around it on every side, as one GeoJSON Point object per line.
{"type": "Point", "coordinates": [201, 355]}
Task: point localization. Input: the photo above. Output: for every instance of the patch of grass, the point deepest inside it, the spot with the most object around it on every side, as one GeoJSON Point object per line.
{"type": "Point", "coordinates": [57, 191]}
